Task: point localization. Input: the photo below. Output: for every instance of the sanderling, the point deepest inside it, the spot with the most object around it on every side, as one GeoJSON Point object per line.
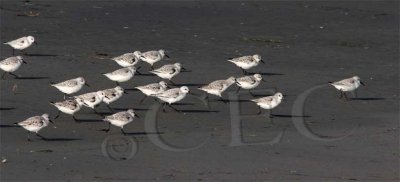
{"type": "Point", "coordinates": [35, 124]}
{"type": "Point", "coordinates": [246, 62]}
{"type": "Point", "coordinates": [152, 57]}
{"type": "Point", "coordinates": [248, 82]}
{"type": "Point", "coordinates": [10, 65]}
{"type": "Point", "coordinates": [218, 87]}
{"type": "Point", "coordinates": [70, 107]}
{"type": "Point", "coordinates": [120, 119]}
{"type": "Point", "coordinates": [21, 43]}
{"type": "Point", "coordinates": [168, 71]}
{"type": "Point", "coordinates": [112, 94]}
{"type": "Point", "coordinates": [70, 86]}
{"type": "Point", "coordinates": [128, 59]}
{"type": "Point", "coordinates": [152, 89]}
{"type": "Point", "coordinates": [121, 75]}
{"type": "Point", "coordinates": [172, 95]}
{"type": "Point", "coordinates": [347, 85]}
{"type": "Point", "coordinates": [268, 102]}
{"type": "Point", "coordinates": [92, 99]}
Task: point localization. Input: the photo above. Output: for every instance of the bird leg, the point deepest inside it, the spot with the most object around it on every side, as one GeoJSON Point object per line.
{"type": "Point", "coordinates": [28, 133]}
{"type": "Point", "coordinates": [144, 98]}
{"type": "Point", "coordinates": [58, 115]}
{"type": "Point", "coordinates": [259, 110]}
{"type": "Point", "coordinates": [171, 82]}
{"type": "Point", "coordinates": [16, 76]}
{"type": "Point", "coordinates": [13, 52]}
{"type": "Point", "coordinates": [176, 110]}
{"type": "Point", "coordinates": [111, 109]}
{"type": "Point", "coordinates": [345, 96]}
{"type": "Point", "coordinates": [341, 95]}
{"type": "Point", "coordinates": [122, 130]}
{"type": "Point", "coordinates": [42, 137]}
{"type": "Point", "coordinates": [251, 93]}
{"type": "Point", "coordinates": [164, 104]}
{"type": "Point", "coordinates": [2, 76]}
{"type": "Point", "coordinates": [117, 83]}
{"type": "Point", "coordinates": [237, 91]}
{"type": "Point", "coordinates": [355, 93]}
{"type": "Point", "coordinates": [109, 127]}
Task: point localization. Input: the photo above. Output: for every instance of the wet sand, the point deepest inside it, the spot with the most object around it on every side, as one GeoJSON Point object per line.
{"type": "Point", "coordinates": [305, 45]}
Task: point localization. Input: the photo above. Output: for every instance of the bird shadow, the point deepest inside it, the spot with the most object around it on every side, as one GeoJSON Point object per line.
{"type": "Point", "coordinates": [61, 139]}
{"type": "Point", "coordinates": [7, 108]}
{"type": "Point", "coordinates": [199, 111]}
{"type": "Point", "coordinates": [88, 120]}
{"type": "Point", "coordinates": [368, 98]}
{"type": "Point", "coordinates": [144, 133]}
{"type": "Point", "coordinates": [268, 74]}
{"type": "Point", "coordinates": [41, 55]}
{"type": "Point", "coordinates": [289, 116]}
{"type": "Point", "coordinates": [186, 71]}
{"type": "Point", "coordinates": [8, 126]}
{"type": "Point", "coordinates": [190, 84]}
{"type": "Point", "coordinates": [32, 78]}
{"type": "Point", "coordinates": [124, 109]}
{"type": "Point", "coordinates": [238, 100]}
{"type": "Point", "coordinates": [182, 104]}
{"type": "Point", "coordinates": [146, 74]}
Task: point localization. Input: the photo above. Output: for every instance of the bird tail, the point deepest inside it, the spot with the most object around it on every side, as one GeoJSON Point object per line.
{"type": "Point", "coordinates": [52, 103]}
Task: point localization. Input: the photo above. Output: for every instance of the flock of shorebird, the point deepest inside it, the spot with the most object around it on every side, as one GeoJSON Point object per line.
{"type": "Point", "coordinates": [158, 90]}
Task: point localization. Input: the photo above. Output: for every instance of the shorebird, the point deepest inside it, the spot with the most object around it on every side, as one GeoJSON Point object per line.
{"type": "Point", "coordinates": [127, 59]}
{"type": "Point", "coordinates": [172, 95]}
{"type": "Point", "coordinates": [70, 107]}
{"type": "Point", "coordinates": [248, 82]}
{"type": "Point", "coordinates": [121, 75]}
{"type": "Point", "coordinates": [347, 85]}
{"type": "Point", "coordinates": [268, 102]}
{"type": "Point", "coordinates": [35, 124]}
{"type": "Point", "coordinates": [168, 71]}
{"type": "Point", "coordinates": [218, 87]}
{"type": "Point", "coordinates": [120, 119]}
{"type": "Point", "coordinates": [10, 65]}
{"type": "Point", "coordinates": [152, 57]}
{"type": "Point", "coordinates": [70, 86]}
{"type": "Point", "coordinates": [21, 43]}
{"type": "Point", "coordinates": [246, 62]}
{"type": "Point", "coordinates": [152, 89]}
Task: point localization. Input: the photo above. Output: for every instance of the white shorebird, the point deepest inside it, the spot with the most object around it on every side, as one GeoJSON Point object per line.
{"type": "Point", "coordinates": [120, 119]}
{"type": "Point", "coordinates": [21, 43]}
{"type": "Point", "coordinates": [121, 75]}
{"type": "Point", "coordinates": [248, 82]}
{"type": "Point", "coordinates": [152, 57]}
{"type": "Point", "coordinates": [246, 62]}
{"type": "Point", "coordinates": [268, 102]}
{"type": "Point", "coordinates": [172, 95]}
{"type": "Point", "coordinates": [152, 89]}
{"type": "Point", "coordinates": [10, 65]}
{"type": "Point", "coordinates": [347, 85]}
{"type": "Point", "coordinates": [70, 107]}
{"type": "Point", "coordinates": [128, 59]}
{"type": "Point", "coordinates": [92, 99]}
{"type": "Point", "coordinates": [70, 86]}
{"type": "Point", "coordinates": [168, 71]}
{"type": "Point", "coordinates": [35, 124]}
{"type": "Point", "coordinates": [112, 94]}
{"type": "Point", "coordinates": [218, 87]}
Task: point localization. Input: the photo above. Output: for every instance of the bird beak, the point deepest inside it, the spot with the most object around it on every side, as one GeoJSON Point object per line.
{"type": "Point", "coordinates": [87, 84]}
{"type": "Point", "coordinates": [137, 115]}
{"type": "Point", "coordinates": [35, 43]}
{"type": "Point", "coordinates": [262, 61]}
{"type": "Point", "coordinates": [183, 68]}
{"type": "Point", "coordinates": [263, 80]}
{"type": "Point", "coordinates": [24, 62]}
{"type": "Point", "coordinates": [166, 56]}
{"type": "Point", "coordinates": [125, 92]}
{"type": "Point", "coordinates": [362, 83]}
{"type": "Point", "coordinates": [51, 121]}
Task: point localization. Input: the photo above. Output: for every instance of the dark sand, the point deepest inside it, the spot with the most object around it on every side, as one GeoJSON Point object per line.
{"type": "Point", "coordinates": [305, 44]}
